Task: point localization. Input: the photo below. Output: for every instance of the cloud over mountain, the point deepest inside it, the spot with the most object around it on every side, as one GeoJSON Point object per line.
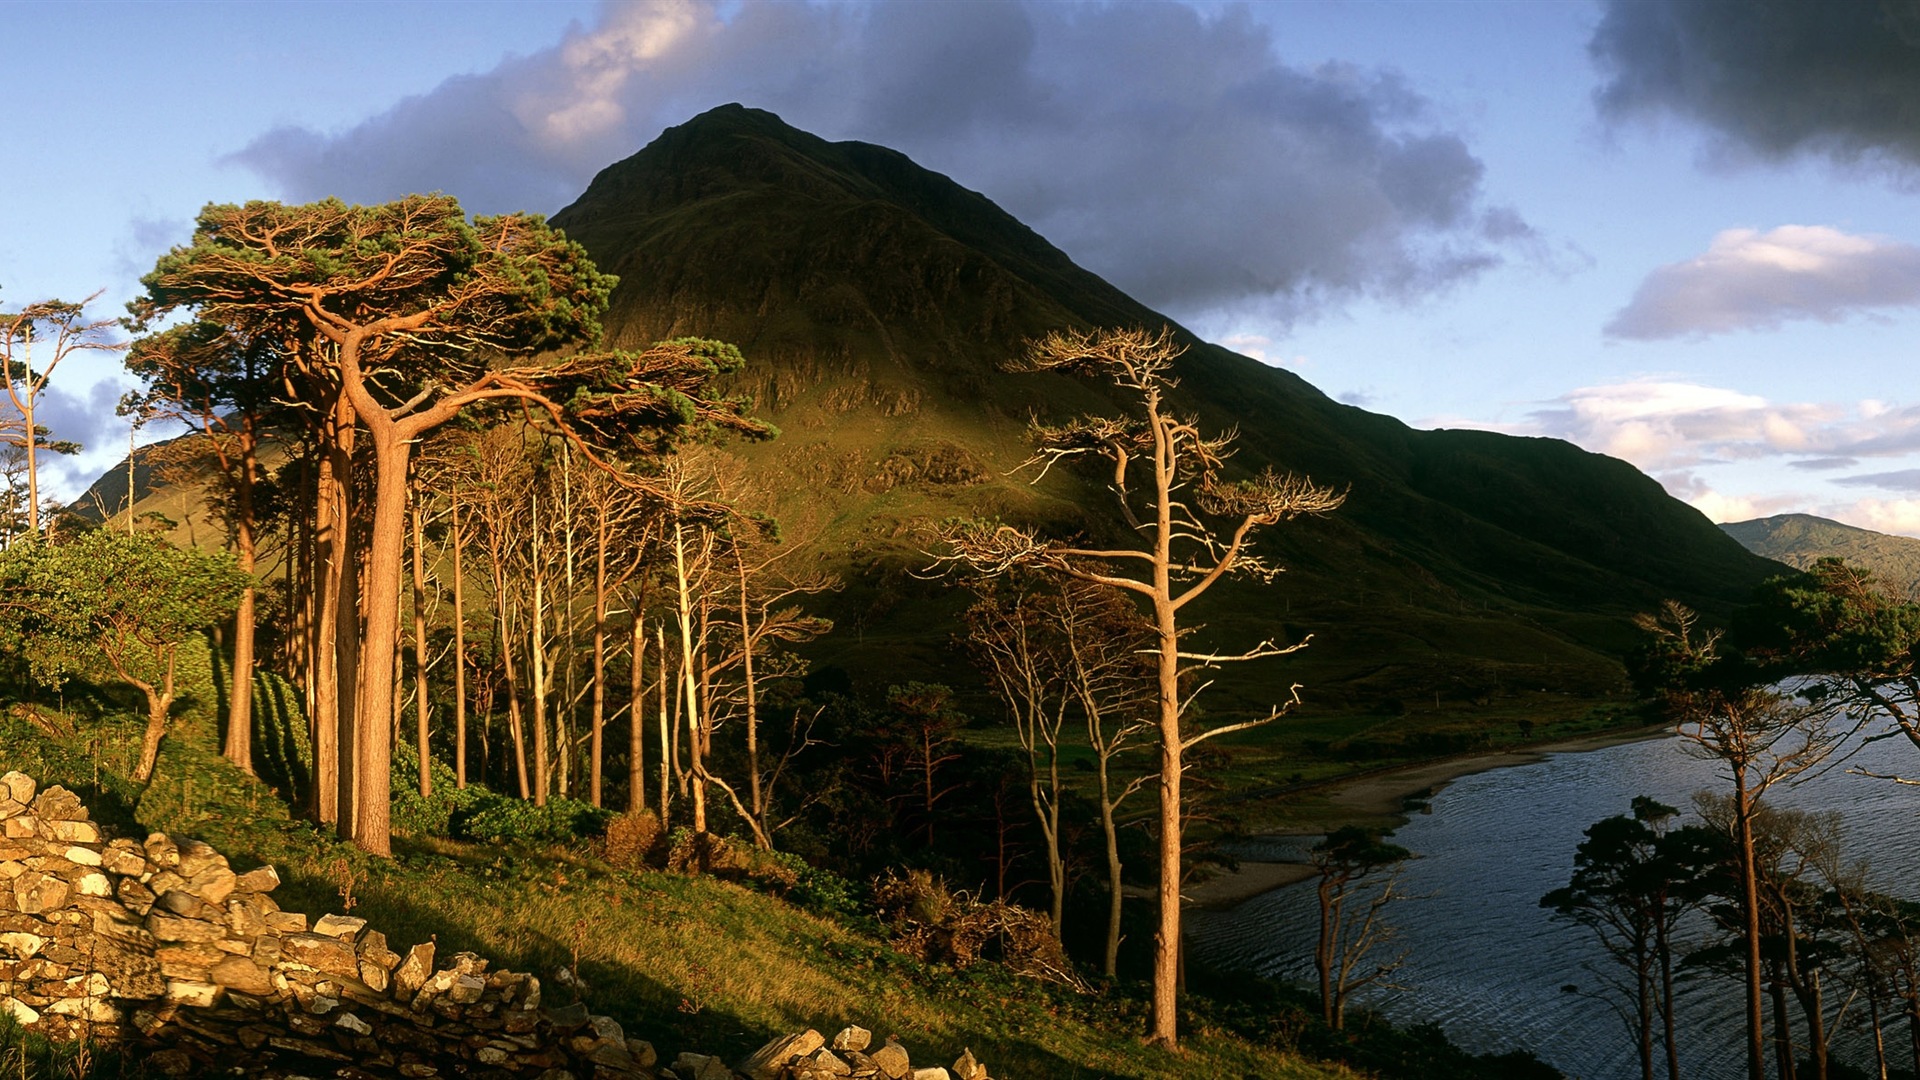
{"type": "Point", "coordinates": [1749, 280]}
{"type": "Point", "coordinates": [1170, 151]}
{"type": "Point", "coordinates": [1772, 79]}
{"type": "Point", "coordinates": [1662, 425]}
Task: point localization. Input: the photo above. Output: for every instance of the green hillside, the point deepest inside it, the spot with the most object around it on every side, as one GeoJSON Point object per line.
{"type": "Point", "coordinates": [876, 300]}
{"type": "Point", "coordinates": [1800, 540]}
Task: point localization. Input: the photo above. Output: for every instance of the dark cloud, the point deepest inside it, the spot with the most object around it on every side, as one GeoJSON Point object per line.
{"type": "Point", "coordinates": [85, 416]}
{"type": "Point", "coordinates": [1170, 151]}
{"type": "Point", "coordinates": [1899, 480]}
{"type": "Point", "coordinates": [1825, 464]}
{"type": "Point", "coordinates": [1774, 79]}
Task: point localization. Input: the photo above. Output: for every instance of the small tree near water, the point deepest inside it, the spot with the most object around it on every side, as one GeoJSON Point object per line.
{"type": "Point", "coordinates": [1358, 875]}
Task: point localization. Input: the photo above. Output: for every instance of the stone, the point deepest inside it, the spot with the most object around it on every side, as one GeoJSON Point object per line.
{"type": "Point", "coordinates": [344, 927]}
{"type": "Point", "coordinates": [122, 858]}
{"type": "Point", "coordinates": [287, 922]}
{"type": "Point", "coordinates": [183, 903]}
{"type": "Point", "coordinates": [466, 989]}
{"type": "Point", "coordinates": [642, 1053]}
{"type": "Point", "coordinates": [58, 804]}
{"type": "Point", "coordinates": [374, 975]}
{"type": "Point", "coordinates": [824, 1062]}
{"type": "Point", "coordinates": [74, 832]}
{"type": "Point", "coordinates": [413, 972]}
{"type": "Point", "coordinates": [21, 946]}
{"type": "Point", "coordinates": [567, 1017]}
{"type": "Point", "coordinates": [771, 1059]}
{"type": "Point", "coordinates": [35, 892]}
{"type": "Point", "coordinates": [892, 1060]}
{"type": "Point", "coordinates": [196, 856]}
{"type": "Point", "coordinates": [214, 884]}
{"type": "Point", "coordinates": [161, 851]}
{"type": "Point", "coordinates": [94, 884]}
{"type": "Point", "coordinates": [165, 927]}
{"type": "Point", "coordinates": [932, 1072]}
{"type": "Point", "coordinates": [242, 974]}
{"type": "Point", "coordinates": [18, 787]}
{"type": "Point", "coordinates": [966, 1068]}
{"type": "Point", "coordinates": [22, 1014]}
{"type": "Point", "coordinates": [94, 1010]}
{"type": "Point", "coordinates": [354, 1024]}
{"type": "Point", "coordinates": [701, 1067]}
{"type": "Point", "coordinates": [330, 955]}
{"type": "Point", "coordinates": [20, 826]}
{"type": "Point", "coordinates": [80, 856]}
{"type": "Point", "coordinates": [853, 1037]}
{"type": "Point", "coordinates": [201, 995]}
{"type": "Point", "coordinates": [263, 879]}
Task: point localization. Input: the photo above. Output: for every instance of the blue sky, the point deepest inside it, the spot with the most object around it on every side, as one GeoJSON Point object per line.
{"type": "Point", "coordinates": [1537, 217]}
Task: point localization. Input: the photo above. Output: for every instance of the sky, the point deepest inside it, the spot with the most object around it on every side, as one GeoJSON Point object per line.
{"type": "Point", "coordinates": [1686, 234]}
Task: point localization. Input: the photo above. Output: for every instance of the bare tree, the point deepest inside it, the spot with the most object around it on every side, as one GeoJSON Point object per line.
{"type": "Point", "coordinates": [65, 330]}
{"type": "Point", "coordinates": [1194, 528]}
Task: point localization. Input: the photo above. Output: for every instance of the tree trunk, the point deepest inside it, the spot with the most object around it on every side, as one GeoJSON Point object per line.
{"type": "Point", "coordinates": [422, 713]}
{"type": "Point", "coordinates": [1783, 1030]}
{"type": "Point", "coordinates": [239, 746]}
{"type": "Point", "coordinates": [1324, 946]}
{"type": "Point", "coordinates": [504, 637]}
{"type": "Point", "coordinates": [373, 745]}
{"type": "Point", "coordinates": [459, 649]}
{"type": "Point", "coordinates": [666, 740]}
{"type": "Point", "coordinates": [636, 713]}
{"type": "Point", "coordinates": [755, 797]}
{"type": "Point", "coordinates": [159, 703]}
{"type": "Point", "coordinates": [694, 725]}
{"type": "Point", "coordinates": [595, 748]}
{"type": "Point", "coordinates": [1750, 913]}
{"type": "Point", "coordinates": [1111, 962]}
{"type": "Point", "coordinates": [1665, 948]}
{"type": "Point", "coordinates": [537, 660]}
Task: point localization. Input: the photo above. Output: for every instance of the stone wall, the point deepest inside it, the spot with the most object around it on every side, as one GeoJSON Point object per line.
{"type": "Point", "coordinates": [161, 947]}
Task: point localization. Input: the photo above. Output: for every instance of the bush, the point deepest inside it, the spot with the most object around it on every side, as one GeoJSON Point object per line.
{"type": "Point", "coordinates": [930, 922]}
{"type": "Point", "coordinates": [497, 818]}
{"type": "Point", "coordinates": [630, 839]}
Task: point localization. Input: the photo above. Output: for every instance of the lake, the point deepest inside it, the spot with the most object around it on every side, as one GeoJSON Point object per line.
{"type": "Point", "coordinates": [1491, 966]}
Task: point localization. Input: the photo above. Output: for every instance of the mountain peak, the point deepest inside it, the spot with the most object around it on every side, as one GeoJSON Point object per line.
{"type": "Point", "coordinates": [758, 212]}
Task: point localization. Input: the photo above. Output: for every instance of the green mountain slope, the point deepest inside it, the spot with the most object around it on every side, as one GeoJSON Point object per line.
{"type": "Point", "coordinates": [1800, 540]}
{"type": "Point", "coordinates": [875, 301]}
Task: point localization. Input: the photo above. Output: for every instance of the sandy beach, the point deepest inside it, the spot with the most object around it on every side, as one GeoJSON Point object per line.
{"type": "Point", "coordinates": [1385, 794]}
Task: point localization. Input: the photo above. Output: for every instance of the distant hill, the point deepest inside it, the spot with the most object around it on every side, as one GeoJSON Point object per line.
{"type": "Point", "coordinates": [1800, 540]}
{"type": "Point", "coordinates": [876, 302]}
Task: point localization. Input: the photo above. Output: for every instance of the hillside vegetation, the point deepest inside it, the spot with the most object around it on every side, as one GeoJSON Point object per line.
{"type": "Point", "coordinates": [1800, 540]}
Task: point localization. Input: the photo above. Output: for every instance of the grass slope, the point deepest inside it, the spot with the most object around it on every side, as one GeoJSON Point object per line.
{"type": "Point", "coordinates": [688, 963]}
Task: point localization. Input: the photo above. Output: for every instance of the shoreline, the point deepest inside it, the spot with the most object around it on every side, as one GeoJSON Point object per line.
{"type": "Point", "coordinates": [1386, 794]}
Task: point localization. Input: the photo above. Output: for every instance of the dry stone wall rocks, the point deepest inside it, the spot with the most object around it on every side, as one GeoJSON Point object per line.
{"type": "Point", "coordinates": [161, 946]}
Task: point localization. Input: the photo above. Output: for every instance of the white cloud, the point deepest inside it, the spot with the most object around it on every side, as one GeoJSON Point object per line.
{"type": "Point", "coordinates": [1900, 516]}
{"type": "Point", "coordinates": [1167, 149]}
{"type": "Point", "coordinates": [1750, 280]}
{"type": "Point", "coordinates": [1723, 508]}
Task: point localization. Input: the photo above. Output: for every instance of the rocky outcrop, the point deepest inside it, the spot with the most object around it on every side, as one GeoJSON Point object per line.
{"type": "Point", "coordinates": [160, 945]}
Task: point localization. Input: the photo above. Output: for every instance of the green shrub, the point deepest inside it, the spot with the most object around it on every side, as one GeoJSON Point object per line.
{"type": "Point", "coordinates": [494, 817]}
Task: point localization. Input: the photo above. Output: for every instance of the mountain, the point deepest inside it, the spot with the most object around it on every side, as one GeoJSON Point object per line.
{"type": "Point", "coordinates": [876, 300]}
{"type": "Point", "coordinates": [1800, 540]}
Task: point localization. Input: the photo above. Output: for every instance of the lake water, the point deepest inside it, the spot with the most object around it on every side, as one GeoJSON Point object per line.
{"type": "Point", "coordinates": [1488, 964]}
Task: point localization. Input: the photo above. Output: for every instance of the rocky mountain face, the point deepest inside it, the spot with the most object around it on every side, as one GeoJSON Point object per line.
{"type": "Point", "coordinates": [1800, 540]}
{"type": "Point", "coordinates": [876, 302]}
